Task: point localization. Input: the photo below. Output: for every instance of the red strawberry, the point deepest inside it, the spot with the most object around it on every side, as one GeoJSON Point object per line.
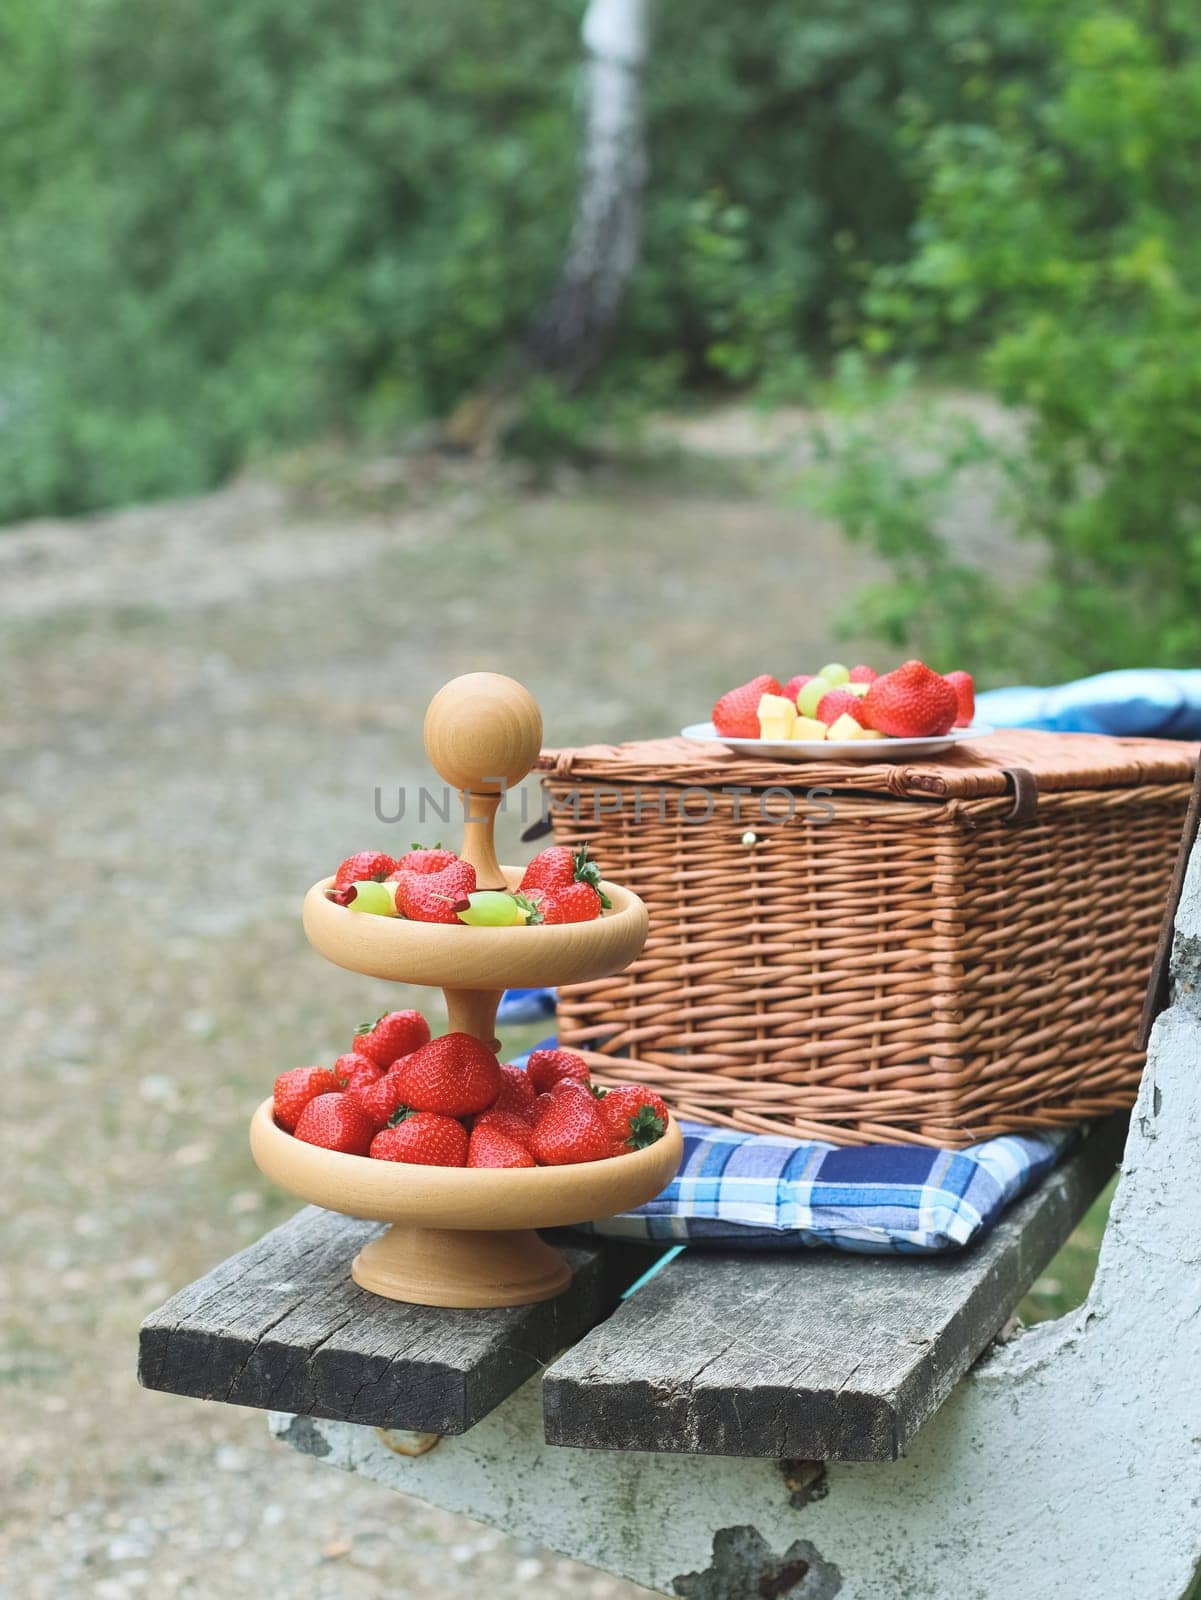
{"type": "Point", "coordinates": [380, 1100]}
{"type": "Point", "coordinates": [489, 1147]}
{"type": "Point", "coordinates": [363, 867]}
{"type": "Point", "coordinates": [433, 896]}
{"type": "Point", "coordinates": [840, 702]}
{"type": "Point", "coordinates": [636, 1116]}
{"type": "Point", "coordinates": [294, 1090]}
{"type": "Point", "coordinates": [551, 868]}
{"type": "Point", "coordinates": [862, 675]}
{"type": "Point", "coordinates": [395, 1034]}
{"type": "Point", "coordinates": [736, 714]}
{"type": "Point", "coordinates": [424, 1139]}
{"type": "Point", "coordinates": [559, 866]}
{"type": "Point", "coordinates": [545, 1068]}
{"type": "Point", "coordinates": [456, 1075]}
{"type": "Point", "coordinates": [965, 694]}
{"type": "Point", "coordinates": [577, 902]}
{"type": "Point", "coordinates": [511, 1123]}
{"type": "Point", "coordinates": [422, 861]}
{"type": "Point", "coordinates": [570, 1129]}
{"type": "Point", "coordinates": [794, 685]}
{"type": "Point", "coordinates": [334, 1122]}
{"type": "Point", "coordinates": [354, 1068]}
{"type": "Point", "coordinates": [517, 1092]}
{"type": "Point", "coordinates": [565, 1088]}
{"type": "Point", "coordinates": [910, 703]}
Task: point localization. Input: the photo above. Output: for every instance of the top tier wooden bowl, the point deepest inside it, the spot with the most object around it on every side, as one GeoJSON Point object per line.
{"type": "Point", "coordinates": [477, 958]}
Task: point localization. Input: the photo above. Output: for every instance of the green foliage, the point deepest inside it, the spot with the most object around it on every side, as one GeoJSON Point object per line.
{"type": "Point", "coordinates": [1065, 225]}
{"type": "Point", "coordinates": [226, 227]}
{"type": "Point", "coordinates": [233, 225]}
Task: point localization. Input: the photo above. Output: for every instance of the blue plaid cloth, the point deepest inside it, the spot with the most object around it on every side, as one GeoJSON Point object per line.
{"type": "Point", "coordinates": [757, 1191]}
{"type": "Point", "coordinates": [761, 1191]}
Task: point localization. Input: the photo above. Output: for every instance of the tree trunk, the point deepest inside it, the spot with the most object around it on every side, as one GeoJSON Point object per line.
{"type": "Point", "coordinates": [572, 333]}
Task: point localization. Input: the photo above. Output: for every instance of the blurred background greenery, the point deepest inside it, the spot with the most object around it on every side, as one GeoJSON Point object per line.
{"type": "Point", "coordinates": [229, 229]}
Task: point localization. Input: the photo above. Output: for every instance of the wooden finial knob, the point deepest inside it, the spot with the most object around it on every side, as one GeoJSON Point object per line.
{"type": "Point", "coordinates": [483, 732]}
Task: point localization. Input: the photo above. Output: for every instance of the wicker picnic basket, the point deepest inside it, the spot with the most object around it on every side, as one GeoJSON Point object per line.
{"type": "Point", "coordinates": [924, 955]}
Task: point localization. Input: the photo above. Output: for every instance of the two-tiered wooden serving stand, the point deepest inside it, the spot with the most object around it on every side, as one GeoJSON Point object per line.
{"type": "Point", "coordinates": [465, 1236]}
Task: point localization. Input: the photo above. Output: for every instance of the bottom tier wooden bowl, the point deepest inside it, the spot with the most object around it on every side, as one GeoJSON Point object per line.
{"type": "Point", "coordinates": [462, 1237]}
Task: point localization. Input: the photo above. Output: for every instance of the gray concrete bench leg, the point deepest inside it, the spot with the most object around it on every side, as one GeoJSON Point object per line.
{"type": "Point", "coordinates": [1066, 1465]}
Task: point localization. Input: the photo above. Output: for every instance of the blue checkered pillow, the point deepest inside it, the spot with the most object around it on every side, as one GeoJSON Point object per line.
{"type": "Point", "coordinates": [763, 1191]}
{"type": "Point", "coordinates": [759, 1191]}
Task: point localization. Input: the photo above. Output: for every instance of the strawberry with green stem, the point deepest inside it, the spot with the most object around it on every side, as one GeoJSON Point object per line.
{"type": "Point", "coordinates": [637, 1116]}
{"type": "Point", "coordinates": [490, 1147]}
{"type": "Point", "coordinates": [353, 1068]}
{"type": "Point", "coordinates": [456, 1075]}
{"type": "Point", "coordinates": [423, 859]}
{"type": "Point", "coordinates": [511, 1123]}
{"type": "Point", "coordinates": [421, 1138]}
{"type": "Point", "coordinates": [911, 702]}
{"type": "Point", "coordinates": [736, 714]}
{"type": "Point", "coordinates": [545, 1068]}
{"type": "Point", "coordinates": [559, 866]}
{"type": "Point", "coordinates": [334, 1122]}
{"type": "Point", "coordinates": [570, 1129]}
{"type": "Point", "coordinates": [517, 1091]}
{"type": "Point", "coordinates": [434, 896]}
{"type": "Point", "coordinates": [380, 1100]}
{"type": "Point", "coordinates": [365, 866]}
{"type": "Point", "coordinates": [295, 1088]}
{"type": "Point", "coordinates": [575, 902]}
{"type": "Point", "coordinates": [965, 694]}
{"type": "Point", "coordinates": [395, 1034]}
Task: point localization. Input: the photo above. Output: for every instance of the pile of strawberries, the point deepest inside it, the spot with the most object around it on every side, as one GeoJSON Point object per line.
{"type": "Point", "coordinates": [911, 702]}
{"type": "Point", "coordinates": [559, 885]}
{"type": "Point", "coordinates": [399, 1095]}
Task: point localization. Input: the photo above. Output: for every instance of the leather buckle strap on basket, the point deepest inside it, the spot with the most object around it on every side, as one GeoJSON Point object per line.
{"type": "Point", "coordinates": [932, 955]}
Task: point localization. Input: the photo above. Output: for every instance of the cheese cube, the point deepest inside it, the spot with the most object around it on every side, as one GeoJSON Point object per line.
{"type": "Point", "coordinates": [845, 727]}
{"type": "Point", "coordinates": [777, 717]}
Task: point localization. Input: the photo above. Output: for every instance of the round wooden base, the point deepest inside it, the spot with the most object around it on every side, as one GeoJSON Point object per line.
{"type": "Point", "coordinates": [457, 1267]}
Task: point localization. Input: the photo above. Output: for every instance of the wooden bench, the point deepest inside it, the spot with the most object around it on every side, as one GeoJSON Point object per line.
{"type": "Point", "coordinates": [828, 1357]}
{"type": "Point", "coordinates": [808, 1425]}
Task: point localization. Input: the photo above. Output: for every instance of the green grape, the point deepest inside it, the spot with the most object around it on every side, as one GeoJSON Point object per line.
{"type": "Point", "coordinates": [492, 908]}
{"type": "Point", "coordinates": [835, 674]}
{"type": "Point", "coordinates": [377, 898]}
{"type": "Point", "coordinates": [811, 694]}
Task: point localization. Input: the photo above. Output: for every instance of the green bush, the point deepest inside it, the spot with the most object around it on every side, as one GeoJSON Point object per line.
{"type": "Point", "coordinates": [226, 227]}
{"type": "Point", "coordinates": [259, 220]}
{"type": "Point", "coordinates": [1068, 226]}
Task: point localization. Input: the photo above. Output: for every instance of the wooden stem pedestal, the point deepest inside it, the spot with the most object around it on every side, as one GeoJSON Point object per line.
{"type": "Point", "coordinates": [456, 1267]}
{"type": "Point", "coordinates": [473, 1011]}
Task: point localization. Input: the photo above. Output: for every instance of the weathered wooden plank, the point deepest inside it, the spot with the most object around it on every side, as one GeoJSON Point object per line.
{"type": "Point", "coordinates": [282, 1326]}
{"type": "Point", "coordinates": [817, 1356]}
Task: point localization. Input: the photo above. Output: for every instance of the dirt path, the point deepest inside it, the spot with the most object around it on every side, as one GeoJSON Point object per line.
{"type": "Point", "coordinates": [199, 700]}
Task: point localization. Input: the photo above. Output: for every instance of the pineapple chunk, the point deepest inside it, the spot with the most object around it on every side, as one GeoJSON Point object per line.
{"type": "Point", "coordinates": [871, 733]}
{"type": "Point", "coordinates": [845, 727]}
{"type": "Point", "coordinates": [809, 728]}
{"type": "Point", "coordinates": [859, 689]}
{"type": "Point", "coordinates": [777, 717]}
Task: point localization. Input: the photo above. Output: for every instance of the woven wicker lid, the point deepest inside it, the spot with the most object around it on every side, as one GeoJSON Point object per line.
{"type": "Point", "coordinates": [1055, 761]}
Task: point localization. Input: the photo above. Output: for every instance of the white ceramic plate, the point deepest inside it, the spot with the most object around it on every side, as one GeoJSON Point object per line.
{"type": "Point", "coordinates": [839, 749]}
